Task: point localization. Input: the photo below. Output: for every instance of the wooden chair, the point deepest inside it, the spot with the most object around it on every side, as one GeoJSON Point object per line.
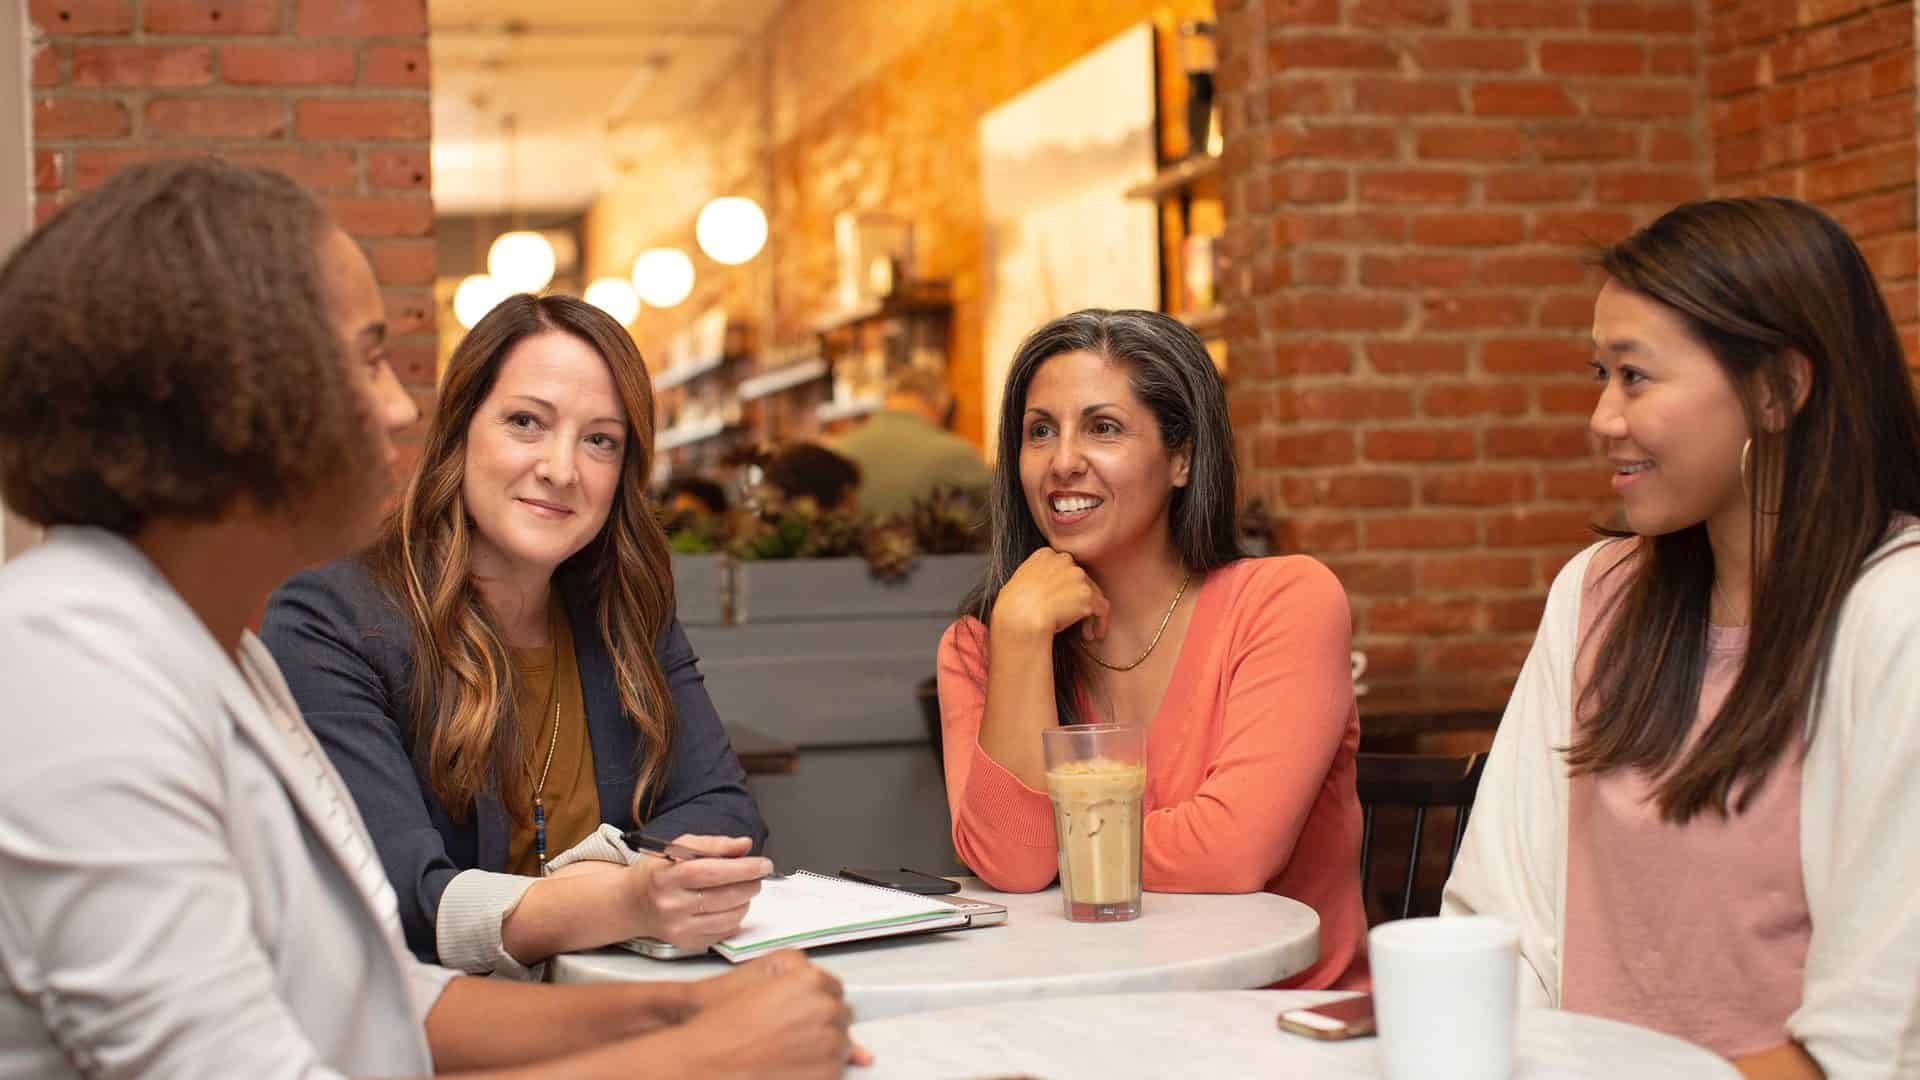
{"type": "Point", "coordinates": [1422, 782]}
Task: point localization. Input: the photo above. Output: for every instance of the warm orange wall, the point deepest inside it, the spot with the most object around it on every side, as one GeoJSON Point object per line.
{"type": "Point", "coordinates": [899, 134]}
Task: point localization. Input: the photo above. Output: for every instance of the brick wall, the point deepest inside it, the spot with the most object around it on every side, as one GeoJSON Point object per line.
{"type": "Point", "coordinates": [1816, 100]}
{"type": "Point", "coordinates": [331, 92]}
{"type": "Point", "coordinates": [1409, 185]}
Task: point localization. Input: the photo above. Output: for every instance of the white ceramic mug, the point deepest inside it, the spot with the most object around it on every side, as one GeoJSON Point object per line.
{"type": "Point", "coordinates": [1444, 996]}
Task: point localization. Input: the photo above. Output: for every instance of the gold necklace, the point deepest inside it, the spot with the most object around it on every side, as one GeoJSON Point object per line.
{"type": "Point", "coordinates": [539, 806]}
{"type": "Point", "coordinates": [1164, 620]}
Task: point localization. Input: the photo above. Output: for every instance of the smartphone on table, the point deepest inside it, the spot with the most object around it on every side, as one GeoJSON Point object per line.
{"type": "Point", "coordinates": [1348, 1018]}
{"type": "Point", "coordinates": [913, 881]}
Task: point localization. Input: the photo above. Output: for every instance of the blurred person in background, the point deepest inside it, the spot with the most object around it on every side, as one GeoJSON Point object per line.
{"type": "Point", "coordinates": [807, 470]}
{"type": "Point", "coordinates": [904, 451]}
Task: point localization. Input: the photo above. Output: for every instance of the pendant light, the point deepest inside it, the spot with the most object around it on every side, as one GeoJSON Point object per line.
{"type": "Point", "coordinates": [731, 229]}
{"type": "Point", "coordinates": [663, 276]}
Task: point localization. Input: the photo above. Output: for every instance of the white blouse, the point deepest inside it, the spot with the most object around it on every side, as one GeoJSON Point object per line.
{"type": "Point", "coordinates": [186, 887]}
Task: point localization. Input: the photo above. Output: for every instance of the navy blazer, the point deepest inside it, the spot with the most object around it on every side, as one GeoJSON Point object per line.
{"type": "Point", "coordinates": [347, 652]}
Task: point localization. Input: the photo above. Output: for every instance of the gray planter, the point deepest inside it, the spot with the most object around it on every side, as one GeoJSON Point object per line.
{"type": "Point", "coordinates": [821, 655]}
{"type": "Point", "coordinates": [810, 590]}
{"type": "Point", "coordinates": [700, 589]}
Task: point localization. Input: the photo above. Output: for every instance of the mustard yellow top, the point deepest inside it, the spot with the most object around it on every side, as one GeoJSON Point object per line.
{"type": "Point", "coordinates": [572, 801]}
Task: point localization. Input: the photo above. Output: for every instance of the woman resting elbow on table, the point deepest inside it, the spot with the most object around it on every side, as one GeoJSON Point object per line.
{"type": "Point", "coordinates": [501, 680]}
{"type": "Point", "coordinates": [1699, 808]}
{"type": "Point", "coordinates": [195, 398]}
{"type": "Point", "coordinates": [1116, 592]}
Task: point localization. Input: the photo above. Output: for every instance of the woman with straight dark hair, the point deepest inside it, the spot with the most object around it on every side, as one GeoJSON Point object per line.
{"type": "Point", "coordinates": [1116, 592]}
{"type": "Point", "coordinates": [1699, 804]}
{"type": "Point", "coordinates": [501, 679]}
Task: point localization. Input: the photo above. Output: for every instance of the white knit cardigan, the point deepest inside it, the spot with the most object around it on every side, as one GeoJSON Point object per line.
{"type": "Point", "coordinates": [1859, 1014]}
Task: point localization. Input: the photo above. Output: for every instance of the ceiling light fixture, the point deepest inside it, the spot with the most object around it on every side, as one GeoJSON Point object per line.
{"type": "Point", "coordinates": [731, 229]}
{"type": "Point", "coordinates": [663, 276]}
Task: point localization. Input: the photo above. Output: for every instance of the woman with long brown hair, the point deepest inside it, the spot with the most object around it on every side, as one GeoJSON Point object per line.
{"type": "Point", "coordinates": [501, 679]}
{"type": "Point", "coordinates": [1697, 805]}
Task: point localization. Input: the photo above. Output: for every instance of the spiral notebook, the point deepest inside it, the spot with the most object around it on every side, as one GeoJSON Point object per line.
{"type": "Point", "coordinates": [804, 910]}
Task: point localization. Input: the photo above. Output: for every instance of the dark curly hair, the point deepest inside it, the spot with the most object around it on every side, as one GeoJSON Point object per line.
{"type": "Point", "coordinates": [166, 349]}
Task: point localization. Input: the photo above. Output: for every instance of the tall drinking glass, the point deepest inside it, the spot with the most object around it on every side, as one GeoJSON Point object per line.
{"type": "Point", "coordinates": [1097, 779]}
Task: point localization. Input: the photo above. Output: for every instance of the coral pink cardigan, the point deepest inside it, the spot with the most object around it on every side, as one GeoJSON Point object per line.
{"type": "Point", "coordinates": [1250, 770]}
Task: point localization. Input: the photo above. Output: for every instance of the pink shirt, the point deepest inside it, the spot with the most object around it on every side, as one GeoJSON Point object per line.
{"type": "Point", "coordinates": [1698, 930]}
{"type": "Point", "coordinates": [1250, 770]}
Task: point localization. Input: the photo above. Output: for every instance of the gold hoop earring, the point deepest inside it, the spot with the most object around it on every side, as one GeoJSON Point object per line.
{"type": "Point", "coordinates": [1746, 452]}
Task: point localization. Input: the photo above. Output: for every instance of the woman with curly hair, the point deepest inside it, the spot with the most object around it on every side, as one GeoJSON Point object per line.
{"type": "Point", "coordinates": [501, 679]}
{"type": "Point", "coordinates": [195, 399]}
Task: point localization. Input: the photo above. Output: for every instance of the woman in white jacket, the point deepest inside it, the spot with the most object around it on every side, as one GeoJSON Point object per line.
{"type": "Point", "coordinates": [195, 398]}
{"type": "Point", "coordinates": [1699, 802]}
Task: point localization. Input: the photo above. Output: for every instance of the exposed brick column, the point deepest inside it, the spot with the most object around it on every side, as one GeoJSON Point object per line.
{"type": "Point", "coordinates": [1816, 100]}
{"type": "Point", "coordinates": [331, 92]}
{"type": "Point", "coordinates": [1409, 187]}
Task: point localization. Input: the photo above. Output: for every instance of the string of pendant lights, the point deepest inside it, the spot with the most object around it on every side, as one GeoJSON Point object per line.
{"type": "Point", "coordinates": [731, 230]}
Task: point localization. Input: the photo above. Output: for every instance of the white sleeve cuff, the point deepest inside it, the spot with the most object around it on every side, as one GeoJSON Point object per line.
{"type": "Point", "coordinates": [601, 845]}
{"type": "Point", "coordinates": [473, 911]}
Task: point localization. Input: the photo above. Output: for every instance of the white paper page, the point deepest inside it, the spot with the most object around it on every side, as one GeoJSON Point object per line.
{"type": "Point", "coordinates": [807, 903]}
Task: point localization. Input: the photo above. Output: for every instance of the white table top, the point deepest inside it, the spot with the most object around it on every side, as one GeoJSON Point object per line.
{"type": "Point", "coordinates": [1228, 1034]}
{"type": "Point", "coordinates": [1179, 942]}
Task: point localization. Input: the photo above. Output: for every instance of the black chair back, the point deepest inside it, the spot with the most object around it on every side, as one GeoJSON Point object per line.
{"type": "Point", "coordinates": [928, 694]}
{"type": "Point", "coordinates": [1422, 782]}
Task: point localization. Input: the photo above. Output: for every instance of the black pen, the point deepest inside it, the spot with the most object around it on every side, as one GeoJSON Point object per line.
{"type": "Point", "coordinates": [639, 840]}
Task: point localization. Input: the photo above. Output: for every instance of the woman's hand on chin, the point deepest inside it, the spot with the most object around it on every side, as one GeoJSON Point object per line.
{"type": "Point", "coordinates": [695, 903]}
{"type": "Point", "coordinates": [1049, 593]}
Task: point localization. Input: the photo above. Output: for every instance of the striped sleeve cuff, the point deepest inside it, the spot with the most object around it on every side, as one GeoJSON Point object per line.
{"type": "Point", "coordinates": [601, 845]}
{"type": "Point", "coordinates": [468, 926]}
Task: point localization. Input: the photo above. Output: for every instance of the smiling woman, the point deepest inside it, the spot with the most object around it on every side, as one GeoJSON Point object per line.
{"type": "Point", "coordinates": [1687, 810]}
{"type": "Point", "coordinates": [501, 677]}
{"type": "Point", "coordinates": [1116, 591]}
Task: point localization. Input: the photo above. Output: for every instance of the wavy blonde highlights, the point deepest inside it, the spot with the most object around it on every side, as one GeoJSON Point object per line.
{"type": "Point", "coordinates": [465, 740]}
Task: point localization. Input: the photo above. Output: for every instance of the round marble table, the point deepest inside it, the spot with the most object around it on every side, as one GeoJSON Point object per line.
{"type": "Point", "coordinates": [1180, 942]}
{"type": "Point", "coordinates": [1227, 1034]}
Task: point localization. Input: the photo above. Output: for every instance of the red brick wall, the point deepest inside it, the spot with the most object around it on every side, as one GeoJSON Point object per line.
{"type": "Point", "coordinates": [1409, 186]}
{"type": "Point", "coordinates": [1816, 100]}
{"type": "Point", "coordinates": [332, 92]}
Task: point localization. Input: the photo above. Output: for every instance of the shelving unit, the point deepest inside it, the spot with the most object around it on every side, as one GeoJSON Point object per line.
{"type": "Point", "coordinates": [866, 346]}
{"type": "Point", "coordinates": [686, 373]}
{"type": "Point", "coordinates": [1187, 193]}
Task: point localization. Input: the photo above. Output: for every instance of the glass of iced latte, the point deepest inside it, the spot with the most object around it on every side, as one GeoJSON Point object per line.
{"type": "Point", "coordinates": [1097, 779]}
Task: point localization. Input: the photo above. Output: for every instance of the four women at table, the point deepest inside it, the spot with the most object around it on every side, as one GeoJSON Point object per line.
{"type": "Point", "coordinates": [501, 676]}
{"type": "Point", "coordinates": [195, 398]}
{"type": "Point", "coordinates": [1692, 813]}
{"type": "Point", "coordinates": [1116, 591]}
{"type": "Point", "coordinates": [1700, 803]}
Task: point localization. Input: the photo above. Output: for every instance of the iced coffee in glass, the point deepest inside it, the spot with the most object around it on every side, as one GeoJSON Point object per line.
{"type": "Point", "coordinates": [1097, 779]}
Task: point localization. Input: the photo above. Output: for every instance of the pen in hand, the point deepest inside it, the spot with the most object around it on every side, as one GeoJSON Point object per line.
{"type": "Point", "coordinates": [641, 841]}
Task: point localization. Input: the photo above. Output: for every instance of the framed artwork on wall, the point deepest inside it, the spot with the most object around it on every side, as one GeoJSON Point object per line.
{"type": "Point", "coordinates": [1056, 164]}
